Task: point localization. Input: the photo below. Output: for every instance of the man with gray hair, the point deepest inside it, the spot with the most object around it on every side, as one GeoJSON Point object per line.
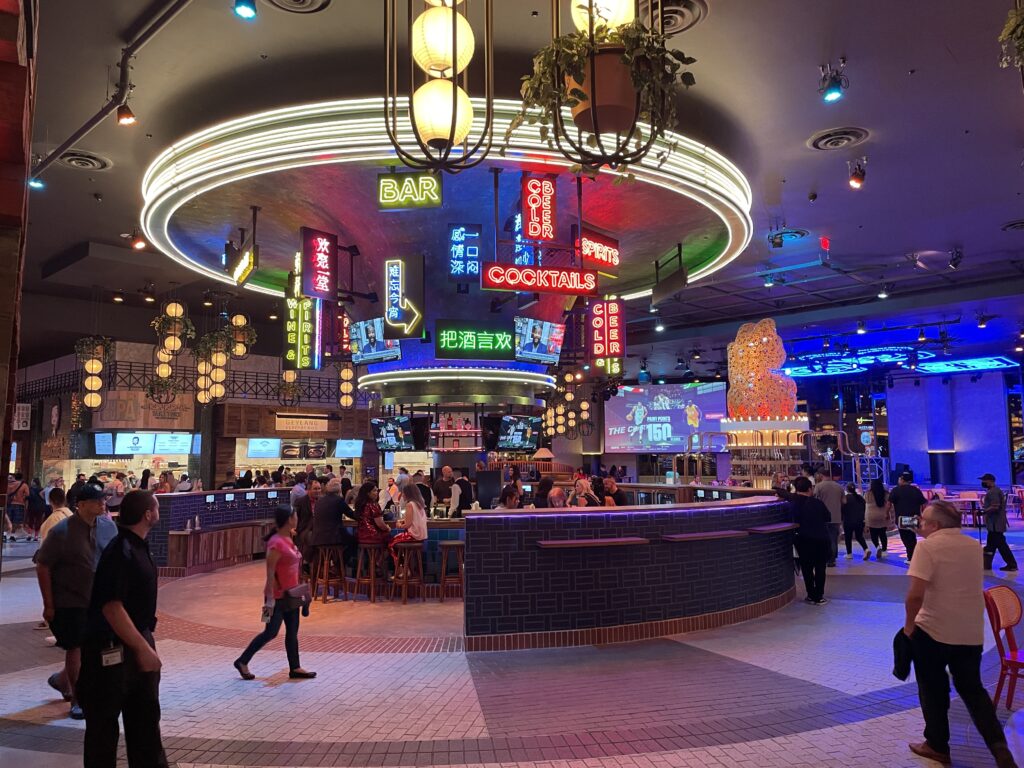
{"type": "Point", "coordinates": [945, 624]}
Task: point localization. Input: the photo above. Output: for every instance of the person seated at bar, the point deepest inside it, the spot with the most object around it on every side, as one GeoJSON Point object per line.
{"type": "Point", "coordinates": [229, 481]}
{"type": "Point", "coordinates": [540, 498]}
{"type": "Point", "coordinates": [413, 522]}
{"type": "Point", "coordinates": [509, 498]}
{"type": "Point", "coordinates": [582, 495]}
{"type": "Point", "coordinates": [556, 498]}
{"type": "Point", "coordinates": [184, 484]}
{"type": "Point", "coordinates": [329, 515]}
{"type": "Point", "coordinates": [371, 529]}
{"type": "Point", "coordinates": [613, 495]}
{"type": "Point", "coordinates": [304, 511]}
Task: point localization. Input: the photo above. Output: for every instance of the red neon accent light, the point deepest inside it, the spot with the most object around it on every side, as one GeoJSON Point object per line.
{"type": "Point", "coordinates": [606, 330]}
{"type": "Point", "coordinates": [538, 208]}
{"type": "Point", "coordinates": [345, 333]}
{"type": "Point", "coordinates": [599, 250]}
{"type": "Point", "coordinates": [825, 244]}
{"type": "Point", "coordinates": [507, 277]}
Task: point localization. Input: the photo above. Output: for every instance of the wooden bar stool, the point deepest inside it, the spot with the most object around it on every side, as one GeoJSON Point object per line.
{"type": "Point", "coordinates": [325, 577]}
{"type": "Point", "coordinates": [370, 555]}
{"type": "Point", "coordinates": [410, 566]}
{"type": "Point", "coordinates": [458, 550]}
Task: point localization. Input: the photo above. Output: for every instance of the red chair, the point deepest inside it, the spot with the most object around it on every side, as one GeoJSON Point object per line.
{"type": "Point", "coordinates": [1004, 613]}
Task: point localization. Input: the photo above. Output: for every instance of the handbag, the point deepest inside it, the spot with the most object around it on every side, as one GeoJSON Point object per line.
{"type": "Point", "coordinates": [298, 596]}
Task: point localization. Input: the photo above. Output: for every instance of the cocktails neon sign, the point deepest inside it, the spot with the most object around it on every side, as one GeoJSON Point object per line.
{"type": "Point", "coordinates": [538, 208]}
{"type": "Point", "coordinates": [506, 277]}
{"type": "Point", "coordinates": [405, 191]}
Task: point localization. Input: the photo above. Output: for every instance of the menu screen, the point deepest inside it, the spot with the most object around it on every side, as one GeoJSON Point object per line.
{"type": "Point", "coordinates": [167, 442]}
{"type": "Point", "coordinates": [348, 449]}
{"type": "Point", "coordinates": [131, 443]}
{"type": "Point", "coordinates": [264, 448]}
{"type": "Point", "coordinates": [104, 442]}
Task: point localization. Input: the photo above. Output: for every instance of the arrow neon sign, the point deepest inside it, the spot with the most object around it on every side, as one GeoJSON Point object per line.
{"type": "Point", "coordinates": [399, 311]}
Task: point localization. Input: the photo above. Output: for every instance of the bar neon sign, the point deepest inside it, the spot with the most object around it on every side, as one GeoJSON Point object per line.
{"type": "Point", "coordinates": [408, 191]}
{"type": "Point", "coordinates": [538, 208]}
{"type": "Point", "coordinates": [506, 277]}
{"type": "Point", "coordinates": [606, 331]}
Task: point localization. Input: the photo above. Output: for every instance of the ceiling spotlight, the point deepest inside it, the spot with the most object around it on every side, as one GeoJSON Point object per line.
{"type": "Point", "coordinates": [680, 364]}
{"type": "Point", "coordinates": [983, 320]}
{"type": "Point", "coordinates": [833, 82]}
{"type": "Point", "coordinates": [653, 310]}
{"type": "Point", "coordinates": [245, 9]}
{"type": "Point", "coordinates": [883, 292]}
{"type": "Point", "coordinates": [1018, 348]}
{"type": "Point", "coordinates": [695, 354]}
{"type": "Point", "coordinates": [718, 374]}
{"type": "Point", "coordinates": [138, 241]}
{"type": "Point", "coordinates": [643, 364]}
{"type": "Point", "coordinates": [921, 335]}
{"type": "Point", "coordinates": [118, 297]}
{"type": "Point", "coordinates": [125, 116]}
{"type": "Point", "coordinates": [861, 330]}
{"type": "Point", "coordinates": [586, 366]}
{"type": "Point", "coordinates": [659, 327]}
{"type": "Point", "coordinates": [769, 281]}
{"type": "Point", "coordinates": [661, 381]}
{"type": "Point", "coordinates": [272, 317]}
{"type": "Point", "coordinates": [858, 172]}
{"type": "Point", "coordinates": [149, 293]}
{"type": "Point", "coordinates": [955, 257]}
{"type": "Point", "coordinates": [36, 183]}
{"type": "Point", "coordinates": [207, 300]}
{"type": "Point", "coordinates": [826, 343]}
{"type": "Point", "coordinates": [1020, 333]}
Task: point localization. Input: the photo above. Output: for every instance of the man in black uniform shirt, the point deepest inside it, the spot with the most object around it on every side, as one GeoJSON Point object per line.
{"type": "Point", "coordinates": [120, 668]}
{"type": "Point", "coordinates": [812, 538]}
{"type": "Point", "coordinates": [908, 503]}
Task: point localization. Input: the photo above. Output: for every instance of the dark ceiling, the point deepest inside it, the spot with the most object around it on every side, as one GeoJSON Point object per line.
{"type": "Point", "coordinates": [943, 148]}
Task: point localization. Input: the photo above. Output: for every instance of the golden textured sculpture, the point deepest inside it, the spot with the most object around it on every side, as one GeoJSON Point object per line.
{"type": "Point", "coordinates": [757, 388]}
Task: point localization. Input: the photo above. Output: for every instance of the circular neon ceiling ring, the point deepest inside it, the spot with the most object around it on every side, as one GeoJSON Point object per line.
{"type": "Point", "coordinates": [352, 131]}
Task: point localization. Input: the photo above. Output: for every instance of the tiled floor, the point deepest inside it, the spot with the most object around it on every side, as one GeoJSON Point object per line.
{"type": "Point", "coordinates": [806, 686]}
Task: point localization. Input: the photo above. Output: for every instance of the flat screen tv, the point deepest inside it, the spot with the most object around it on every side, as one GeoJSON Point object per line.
{"type": "Point", "coordinates": [133, 443]}
{"type": "Point", "coordinates": [661, 418]}
{"type": "Point", "coordinates": [263, 448]}
{"type": "Point", "coordinates": [369, 344]}
{"type": "Point", "coordinates": [103, 443]}
{"type": "Point", "coordinates": [393, 433]}
{"type": "Point", "coordinates": [538, 341]}
{"type": "Point", "coordinates": [519, 433]}
{"type": "Point", "coordinates": [173, 442]}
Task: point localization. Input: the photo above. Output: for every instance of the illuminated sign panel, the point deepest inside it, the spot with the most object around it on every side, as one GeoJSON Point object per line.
{"type": "Point", "coordinates": [408, 191]}
{"type": "Point", "coordinates": [319, 264]}
{"type": "Point", "coordinates": [523, 254]}
{"type": "Point", "coordinates": [599, 251]}
{"type": "Point", "coordinates": [303, 343]}
{"type": "Point", "coordinates": [468, 340]}
{"type": "Point", "coordinates": [464, 252]}
{"type": "Point", "coordinates": [241, 264]}
{"type": "Point", "coordinates": [508, 277]}
{"type": "Point", "coordinates": [403, 304]}
{"type": "Point", "coordinates": [538, 208]}
{"type": "Point", "coordinates": [606, 332]}
{"type": "Point", "coordinates": [344, 329]}
{"type": "Point", "coordinates": [967, 365]}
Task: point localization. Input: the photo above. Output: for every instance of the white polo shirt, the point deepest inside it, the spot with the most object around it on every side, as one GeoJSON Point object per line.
{"type": "Point", "coordinates": [953, 611]}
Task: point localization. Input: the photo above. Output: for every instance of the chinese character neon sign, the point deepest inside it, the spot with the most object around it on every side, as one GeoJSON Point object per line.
{"type": "Point", "coordinates": [467, 340]}
{"type": "Point", "coordinates": [523, 255]}
{"type": "Point", "coordinates": [464, 252]}
{"type": "Point", "coordinates": [538, 208]}
{"type": "Point", "coordinates": [507, 277]}
{"type": "Point", "coordinates": [406, 191]}
{"type": "Point", "coordinates": [344, 332]}
{"type": "Point", "coordinates": [606, 331]}
{"type": "Point", "coordinates": [402, 318]}
{"type": "Point", "coordinates": [319, 264]}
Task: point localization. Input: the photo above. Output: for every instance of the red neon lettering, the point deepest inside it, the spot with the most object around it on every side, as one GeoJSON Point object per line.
{"type": "Point", "coordinates": [539, 209]}
{"type": "Point", "coordinates": [541, 279]}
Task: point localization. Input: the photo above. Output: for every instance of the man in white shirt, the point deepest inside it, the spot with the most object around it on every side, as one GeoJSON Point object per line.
{"type": "Point", "coordinates": [831, 494]}
{"type": "Point", "coordinates": [945, 624]}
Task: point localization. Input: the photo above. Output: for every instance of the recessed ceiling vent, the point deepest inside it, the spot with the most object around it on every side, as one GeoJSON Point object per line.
{"type": "Point", "coordinates": [1014, 226]}
{"type": "Point", "coordinates": [81, 160]}
{"type": "Point", "coordinates": [680, 15]}
{"type": "Point", "coordinates": [838, 138]}
{"type": "Point", "coordinates": [299, 6]}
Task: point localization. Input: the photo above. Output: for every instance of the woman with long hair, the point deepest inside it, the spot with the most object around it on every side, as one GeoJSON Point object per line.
{"type": "Point", "coordinates": [145, 480]}
{"type": "Point", "coordinates": [414, 520]}
{"type": "Point", "coordinates": [582, 495]}
{"type": "Point", "coordinates": [280, 598]}
{"type": "Point", "coordinates": [877, 512]}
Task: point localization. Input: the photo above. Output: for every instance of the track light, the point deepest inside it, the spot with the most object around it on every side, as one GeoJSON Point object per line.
{"type": "Point", "coordinates": [769, 281]}
{"type": "Point", "coordinates": [1020, 333]}
{"type": "Point", "coordinates": [643, 364]}
{"type": "Point", "coordinates": [955, 257]}
{"type": "Point", "coordinates": [695, 354]}
{"type": "Point", "coordinates": [245, 9]}
{"type": "Point", "coordinates": [138, 241]}
{"type": "Point", "coordinates": [1018, 348]}
{"type": "Point", "coordinates": [833, 82]}
{"type": "Point", "coordinates": [858, 172]}
{"type": "Point", "coordinates": [125, 116]}
{"type": "Point", "coordinates": [680, 364]}
{"type": "Point", "coordinates": [982, 320]}
{"type": "Point", "coordinates": [207, 301]}
{"type": "Point", "coordinates": [118, 297]}
{"type": "Point", "coordinates": [883, 292]}
{"type": "Point", "coordinates": [36, 183]}
{"type": "Point", "coordinates": [921, 335]}
{"type": "Point", "coordinates": [148, 293]}
{"type": "Point", "coordinates": [653, 310]}
{"type": "Point", "coordinates": [659, 327]}
{"type": "Point", "coordinates": [826, 343]}
{"type": "Point", "coordinates": [861, 330]}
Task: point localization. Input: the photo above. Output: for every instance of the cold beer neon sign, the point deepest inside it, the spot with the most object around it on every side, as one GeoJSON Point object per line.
{"type": "Point", "coordinates": [538, 208]}
{"type": "Point", "coordinates": [606, 330]}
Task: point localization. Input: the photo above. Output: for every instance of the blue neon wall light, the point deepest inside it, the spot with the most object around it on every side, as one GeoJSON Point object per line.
{"type": "Point", "coordinates": [968, 365]}
{"type": "Point", "coordinates": [841, 363]}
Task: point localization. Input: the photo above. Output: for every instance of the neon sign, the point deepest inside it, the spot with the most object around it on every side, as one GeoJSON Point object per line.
{"type": "Point", "coordinates": [319, 264]}
{"type": "Point", "coordinates": [506, 277]}
{"type": "Point", "coordinates": [598, 250]}
{"type": "Point", "coordinates": [243, 268]}
{"type": "Point", "coordinates": [606, 333]}
{"type": "Point", "coordinates": [968, 365]}
{"type": "Point", "coordinates": [538, 208]}
{"type": "Point", "coordinates": [464, 252]}
{"type": "Point", "coordinates": [401, 316]}
{"type": "Point", "coordinates": [523, 253]}
{"type": "Point", "coordinates": [302, 334]}
{"type": "Point", "coordinates": [839, 363]}
{"type": "Point", "coordinates": [344, 333]}
{"type": "Point", "coordinates": [408, 191]}
{"type": "Point", "coordinates": [462, 340]}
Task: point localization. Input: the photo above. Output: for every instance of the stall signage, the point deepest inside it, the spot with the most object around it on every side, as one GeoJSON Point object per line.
{"type": "Point", "coordinates": [241, 263]}
{"type": "Point", "coordinates": [523, 253]}
{"type": "Point", "coordinates": [606, 331]}
{"type": "Point", "coordinates": [508, 277]}
{"type": "Point", "coordinates": [319, 264]}
{"type": "Point", "coordinates": [408, 191]}
{"type": "Point", "coordinates": [403, 313]}
{"type": "Point", "coordinates": [538, 208]}
{"type": "Point", "coordinates": [599, 250]}
{"type": "Point", "coordinates": [303, 344]}
{"type": "Point", "coordinates": [464, 252]}
{"type": "Point", "coordinates": [467, 340]}
{"type": "Point", "coordinates": [300, 423]}
{"type": "Point", "coordinates": [22, 417]}
{"type": "Point", "coordinates": [344, 332]}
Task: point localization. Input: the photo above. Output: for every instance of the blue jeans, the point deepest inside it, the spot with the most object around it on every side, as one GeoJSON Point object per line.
{"type": "Point", "coordinates": [290, 619]}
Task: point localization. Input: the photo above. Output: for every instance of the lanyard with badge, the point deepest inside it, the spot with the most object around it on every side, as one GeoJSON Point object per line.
{"type": "Point", "coordinates": [113, 655]}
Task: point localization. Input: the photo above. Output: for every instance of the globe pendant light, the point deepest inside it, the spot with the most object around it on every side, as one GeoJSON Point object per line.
{"type": "Point", "coordinates": [441, 114]}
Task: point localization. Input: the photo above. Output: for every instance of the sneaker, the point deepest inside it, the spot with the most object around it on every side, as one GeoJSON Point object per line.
{"type": "Point", "coordinates": [1008, 568]}
{"type": "Point", "coordinates": [77, 713]}
{"type": "Point", "coordinates": [879, 554]}
{"type": "Point", "coordinates": [809, 600]}
{"type": "Point", "coordinates": [54, 682]}
{"type": "Point", "coordinates": [867, 554]}
{"type": "Point", "coordinates": [925, 750]}
{"type": "Point", "coordinates": [41, 625]}
{"type": "Point", "coordinates": [831, 564]}
{"type": "Point", "coordinates": [849, 555]}
{"type": "Point", "coordinates": [822, 601]}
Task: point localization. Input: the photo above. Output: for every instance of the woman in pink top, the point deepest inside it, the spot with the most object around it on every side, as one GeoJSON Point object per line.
{"type": "Point", "coordinates": [283, 564]}
{"type": "Point", "coordinates": [413, 524]}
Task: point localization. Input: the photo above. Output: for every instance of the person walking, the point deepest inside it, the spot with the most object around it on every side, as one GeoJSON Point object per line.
{"type": "Point", "coordinates": [813, 538]}
{"type": "Point", "coordinates": [120, 674]}
{"type": "Point", "coordinates": [35, 509]}
{"type": "Point", "coordinates": [996, 523]}
{"type": "Point", "coordinates": [945, 624]}
{"type": "Point", "coordinates": [17, 496]}
{"type": "Point", "coordinates": [853, 521]}
{"type": "Point", "coordinates": [65, 565]}
{"type": "Point", "coordinates": [877, 513]}
{"type": "Point", "coordinates": [908, 503]}
{"type": "Point", "coordinates": [830, 493]}
{"type": "Point", "coordinates": [283, 598]}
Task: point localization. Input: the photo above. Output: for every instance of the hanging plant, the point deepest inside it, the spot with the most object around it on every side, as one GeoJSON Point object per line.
{"type": "Point", "coordinates": [242, 334]}
{"type": "Point", "coordinates": [181, 327]}
{"type": "Point", "coordinates": [163, 390]}
{"type": "Point", "coordinates": [95, 347]}
{"type": "Point", "coordinates": [1012, 39]}
{"type": "Point", "coordinates": [219, 340]}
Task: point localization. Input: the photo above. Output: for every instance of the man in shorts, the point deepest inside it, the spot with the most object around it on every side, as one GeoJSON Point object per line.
{"type": "Point", "coordinates": [65, 565]}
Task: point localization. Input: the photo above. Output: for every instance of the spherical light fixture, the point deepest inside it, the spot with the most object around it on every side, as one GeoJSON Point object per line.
{"type": "Point", "coordinates": [93, 383]}
{"type": "Point", "coordinates": [164, 371]}
{"type": "Point", "coordinates": [289, 377]}
{"type": "Point", "coordinates": [219, 359]}
{"type": "Point", "coordinates": [218, 375]}
{"type": "Point", "coordinates": [432, 107]}
{"type": "Point", "coordinates": [204, 382]}
{"type": "Point", "coordinates": [93, 365]}
{"type": "Point", "coordinates": [347, 374]}
{"type": "Point", "coordinates": [607, 13]}
{"type": "Point", "coordinates": [569, 397]}
{"type": "Point", "coordinates": [239, 321]}
{"type": "Point", "coordinates": [163, 356]}
{"type": "Point", "coordinates": [239, 350]}
{"type": "Point", "coordinates": [174, 309]}
{"type": "Point", "coordinates": [172, 343]}
{"type": "Point", "coordinates": [347, 387]}
{"type": "Point", "coordinates": [443, 3]}
{"type": "Point", "coordinates": [432, 42]}
{"type": "Point", "coordinates": [345, 401]}
{"type": "Point", "coordinates": [204, 367]}
{"type": "Point", "coordinates": [217, 391]}
{"type": "Point", "coordinates": [560, 429]}
{"type": "Point", "coordinates": [584, 406]}
{"type": "Point", "coordinates": [92, 400]}
{"type": "Point", "coordinates": [203, 397]}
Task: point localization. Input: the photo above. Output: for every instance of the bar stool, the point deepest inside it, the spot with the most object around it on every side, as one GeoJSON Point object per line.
{"type": "Point", "coordinates": [371, 555]}
{"type": "Point", "coordinates": [458, 550]}
{"type": "Point", "coordinates": [324, 577]}
{"type": "Point", "coordinates": [410, 566]}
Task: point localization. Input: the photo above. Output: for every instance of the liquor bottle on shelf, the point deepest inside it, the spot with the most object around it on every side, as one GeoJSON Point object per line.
{"type": "Point", "coordinates": [450, 424]}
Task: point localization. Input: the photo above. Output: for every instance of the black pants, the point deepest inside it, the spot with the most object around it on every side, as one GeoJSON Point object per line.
{"type": "Point", "coordinates": [879, 539]}
{"type": "Point", "coordinates": [995, 541]}
{"type": "Point", "coordinates": [909, 539]}
{"type": "Point", "coordinates": [120, 690]}
{"type": "Point", "coordinates": [851, 532]}
{"type": "Point", "coordinates": [814, 554]}
{"type": "Point", "coordinates": [833, 541]}
{"type": "Point", "coordinates": [290, 619]}
{"type": "Point", "coordinates": [931, 658]}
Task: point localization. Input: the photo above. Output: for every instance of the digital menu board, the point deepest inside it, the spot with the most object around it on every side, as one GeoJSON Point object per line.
{"type": "Point", "coordinates": [104, 443]}
{"type": "Point", "coordinates": [263, 448]}
{"type": "Point", "coordinates": [173, 442]}
{"type": "Point", "coordinates": [348, 449]}
{"type": "Point", "coordinates": [538, 341]}
{"type": "Point", "coordinates": [132, 443]}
